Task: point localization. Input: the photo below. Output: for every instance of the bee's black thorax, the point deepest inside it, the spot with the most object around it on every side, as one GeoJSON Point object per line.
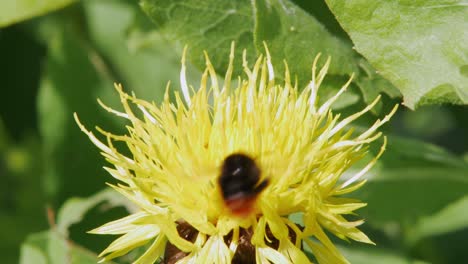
{"type": "Point", "coordinates": [240, 177]}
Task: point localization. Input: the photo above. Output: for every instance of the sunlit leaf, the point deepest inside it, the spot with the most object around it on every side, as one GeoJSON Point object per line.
{"type": "Point", "coordinates": [290, 33]}
{"type": "Point", "coordinates": [420, 46]}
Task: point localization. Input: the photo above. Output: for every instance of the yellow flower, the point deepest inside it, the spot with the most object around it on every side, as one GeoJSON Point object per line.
{"type": "Point", "coordinates": [178, 150]}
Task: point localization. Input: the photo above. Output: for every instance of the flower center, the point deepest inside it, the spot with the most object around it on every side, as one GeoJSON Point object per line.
{"type": "Point", "coordinates": [245, 252]}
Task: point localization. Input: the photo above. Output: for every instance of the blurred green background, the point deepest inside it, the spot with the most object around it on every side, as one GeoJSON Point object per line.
{"type": "Point", "coordinates": [61, 61]}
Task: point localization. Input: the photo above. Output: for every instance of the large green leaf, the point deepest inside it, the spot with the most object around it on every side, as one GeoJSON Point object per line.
{"type": "Point", "coordinates": [12, 11]}
{"type": "Point", "coordinates": [296, 36]}
{"type": "Point", "coordinates": [290, 32]}
{"type": "Point", "coordinates": [420, 46]}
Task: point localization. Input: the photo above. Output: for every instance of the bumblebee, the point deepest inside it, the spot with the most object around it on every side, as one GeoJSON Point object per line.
{"type": "Point", "coordinates": [240, 183]}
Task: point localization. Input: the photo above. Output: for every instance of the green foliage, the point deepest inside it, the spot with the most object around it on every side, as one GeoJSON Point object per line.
{"type": "Point", "coordinates": [205, 25]}
{"type": "Point", "coordinates": [412, 173]}
{"type": "Point", "coordinates": [22, 198]}
{"type": "Point", "coordinates": [54, 246]}
{"type": "Point", "coordinates": [373, 255]}
{"type": "Point", "coordinates": [289, 32]}
{"type": "Point", "coordinates": [74, 209]}
{"type": "Point", "coordinates": [451, 218]}
{"type": "Point", "coordinates": [60, 63]}
{"type": "Point", "coordinates": [419, 46]}
{"type": "Point", "coordinates": [80, 70]}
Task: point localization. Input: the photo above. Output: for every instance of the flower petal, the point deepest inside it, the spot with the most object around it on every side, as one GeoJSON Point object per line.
{"type": "Point", "coordinates": [120, 226]}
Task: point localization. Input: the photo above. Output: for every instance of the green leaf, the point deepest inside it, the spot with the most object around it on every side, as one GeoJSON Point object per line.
{"type": "Point", "coordinates": [81, 255]}
{"type": "Point", "coordinates": [51, 247]}
{"type": "Point", "coordinates": [31, 254]}
{"type": "Point", "coordinates": [206, 25]}
{"type": "Point", "coordinates": [368, 254]}
{"type": "Point", "coordinates": [409, 153]}
{"type": "Point", "coordinates": [372, 84]}
{"type": "Point", "coordinates": [451, 218]}
{"type": "Point", "coordinates": [406, 194]}
{"type": "Point", "coordinates": [35, 246]}
{"type": "Point", "coordinates": [420, 46]}
{"type": "Point", "coordinates": [58, 248]}
{"type": "Point", "coordinates": [74, 209]}
{"type": "Point", "coordinates": [13, 11]}
{"type": "Point", "coordinates": [413, 180]}
{"type": "Point", "coordinates": [372, 255]}
{"type": "Point", "coordinates": [291, 34]}
{"type": "Point", "coordinates": [54, 246]}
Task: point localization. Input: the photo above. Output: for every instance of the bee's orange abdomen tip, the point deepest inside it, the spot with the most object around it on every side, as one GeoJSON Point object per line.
{"type": "Point", "coordinates": [241, 206]}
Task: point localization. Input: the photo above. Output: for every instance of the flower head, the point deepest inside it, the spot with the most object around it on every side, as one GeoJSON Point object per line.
{"type": "Point", "coordinates": [293, 150]}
